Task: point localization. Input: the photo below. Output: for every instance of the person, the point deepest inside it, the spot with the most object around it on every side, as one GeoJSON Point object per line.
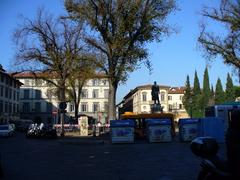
{"type": "Point", "coordinates": [233, 144]}
{"type": "Point", "coordinates": [155, 93]}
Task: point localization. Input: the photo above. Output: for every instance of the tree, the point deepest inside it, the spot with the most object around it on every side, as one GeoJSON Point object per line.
{"type": "Point", "coordinates": [230, 96]}
{"type": "Point", "coordinates": [219, 93]}
{"type": "Point", "coordinates": [51, 46]}
{"type": "Point", "coordinates": [212, 97]}
{"type": "Point", "coordinates": [237, 92]}
{"type": "Point", "coordinates": [206, 93]}
{"type": "Point", "coordinates": [197, 98]}
{"type": "Point", "coordinates": [228, 46]}
{"type": "Point", "coordinates": [118, 32]}
{"type": "Point", "coordinates": [83, 71]}
{"type": "Point", "coordinates": [187, 98]}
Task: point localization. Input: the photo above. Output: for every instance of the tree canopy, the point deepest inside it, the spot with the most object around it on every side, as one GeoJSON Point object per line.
{"type": "Point", "coordinates": [118, 30]}
{"type": "Point", "coordinates": [227, 44]}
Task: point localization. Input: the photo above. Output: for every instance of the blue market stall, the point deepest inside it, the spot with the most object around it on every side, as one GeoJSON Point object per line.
{"type": "Point", "coordinates": [159, 130]}
{"type": "Point", "coordinates": [122, 131]}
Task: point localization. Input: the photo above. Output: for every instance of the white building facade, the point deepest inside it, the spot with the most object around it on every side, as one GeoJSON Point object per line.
{"type": "Point", "coordinates": [9, 97]}
{"type": "Point", "coordinates": [139, 100]}
{"type": "Point", "coordinates": [38, 100]}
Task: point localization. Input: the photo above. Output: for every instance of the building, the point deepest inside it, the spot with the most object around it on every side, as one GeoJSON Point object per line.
{"type": "Point", "coordinates": [9, 97]}
{"type": "Point", "coordinates": [139, 100]}
{"type": "Point", "coordinates": [38, 99]}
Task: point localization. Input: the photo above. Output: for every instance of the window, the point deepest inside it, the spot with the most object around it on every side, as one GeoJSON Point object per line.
{"type": "Point", "coordinates": [170, 107]}
{"type": "Point", "coordinates": [48, 107]}
{"type": "Point", "coordinates": [26, 93]}
{"type": "Point", "coordinates": [6, 92]}
{"type": "Point", "coordinates": [26, 107]}
{"type": "Point", "coordinates": [6, 107]}
{"type": "Point", "coordinates": [94, 82]}
{"type": "Point", "coordinates": [17, 96]}
{"type": "Point", "coordinates": [169, 97]}
{"type": "Point", "coordinates": [162, 96]}
{"type": "Point", "coordinates": [180, 97]}
{"type": "Point", "coordinates": [10, 107]}
{"type": "Point", "coordinates": [14, 108]}
{"type": "Point", "coordinates": [106, 93]}
{"type": "Point", "coordinates": [180, 106]}
{"type": "Point", "coordinates": [84, 107]}
{"type": "Point", "coordinates": [144, 96]}
{"type": "Point", "coordinates": [27, 82]}
{"type": "Point", "coordinates": [10, 94]}
{"type": "Point", "coordinates": [1, 88]}
{"type": "Point", "coordinates": [104, 82]}
{"type": "Point", "coordinates": [37, 106]}
{"type": "Point", "coordinates": [2, 77]}
{"type": "Point", "coordinates": [95, 107]}
{"type": "Point", "coordinates": [95, 93]}
{"type": "Point", "coordinates": [72, 108]}
{"type": "Point", "coordinates": [1, 106]}
{"type": "Point", "coordinates": [84, 93]}
{"type": "Point", "coordinates": [14, 95]}
{"type": "Point", "coordinates": [38, 94]}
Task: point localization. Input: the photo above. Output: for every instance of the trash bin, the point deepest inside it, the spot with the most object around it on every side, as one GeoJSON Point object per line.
{"type": "Point", "coordinates": [188, 128]}
{"type": "Point", "coordinates": [213, 127]}
{"type": "Point", "coordinates": [159, 130]}
{"type": "Point", "coordinates": [122, 131]}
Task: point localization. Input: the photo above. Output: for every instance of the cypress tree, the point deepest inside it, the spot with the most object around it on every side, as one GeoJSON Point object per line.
{"type": "Point", "coordinates": [187, 96]}
{"type": "Point", "coordinates": [206, 94]}
{"type": "Point", "coordinates": [230, 96]}
{"type": "Point", "coordinates": [219, 93]}
{"type": "Point", "coordinates": [196, 98]}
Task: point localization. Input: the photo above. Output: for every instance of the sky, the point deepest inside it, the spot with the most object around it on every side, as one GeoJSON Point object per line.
{"type": "Point", "coordinates": [173, 58]}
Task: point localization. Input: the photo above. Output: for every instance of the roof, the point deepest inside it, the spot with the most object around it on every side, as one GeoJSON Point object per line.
{"type": "Point", "coordinates": [176, 90]}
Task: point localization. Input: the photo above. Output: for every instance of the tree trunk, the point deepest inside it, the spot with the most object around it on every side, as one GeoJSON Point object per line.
{"type": "Point", "coordinates": [112, 100]}
{"type": "Point", "coordinates": [76, 111]}
{"type": "Point", "coordinates": [62, 98]}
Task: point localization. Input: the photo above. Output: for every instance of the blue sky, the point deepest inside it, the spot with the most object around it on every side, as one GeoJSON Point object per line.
{"type": "Point", "coordinates": [173, 59]}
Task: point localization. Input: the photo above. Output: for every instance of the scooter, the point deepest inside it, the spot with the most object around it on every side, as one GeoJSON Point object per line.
{"type": "Point", "coordinates": [41, 131]}
{"type": "Point", "coordinates": [212, 166]}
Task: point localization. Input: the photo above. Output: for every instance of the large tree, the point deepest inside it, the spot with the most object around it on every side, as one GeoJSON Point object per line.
{"type": "Point", "coordinates": [230, 95]}
{"type": "Point", "coordinates": [219, 93]}
{"type": "Point", "coordinates": [224, 43]}
{"type": "Point", "coordinates": [187, 98]}
{"type": "Point", "coordinates": [206, 92]}
{"type": "Point", "coordinates": [119, 31]}
{"type": "Point", "coordinates": [196, 98]}
{"type": "Point", "coordinates": [52, 45]}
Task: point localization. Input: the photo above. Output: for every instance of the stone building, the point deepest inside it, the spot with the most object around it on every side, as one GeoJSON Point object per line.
{"type": "Point", "coordinates": [9, 97]}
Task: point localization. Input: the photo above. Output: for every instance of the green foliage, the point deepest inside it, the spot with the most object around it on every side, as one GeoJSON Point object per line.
{"type": "Point", "coordinates": [206, 94]}
{"type": "Point", "coordinates": [118, 32]}
{"type": "Point", "coordinates": [237, 91]}
{"type": "Point", "coordinates": [230, 96]}
{"type": "Point", "coordinates": [197, 98]}
{"type": "Point", "coordinates": [187, 96]}
{"type": "Point", "coordinates": [219, 93]}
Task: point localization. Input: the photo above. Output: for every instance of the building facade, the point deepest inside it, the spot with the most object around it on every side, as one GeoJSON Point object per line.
{"type": "Point", "coordinates": [139, 100]}
{"type": "Point", "coordinates": [38, 99]}
{"type": "Point", "coordinates": [9, 97]}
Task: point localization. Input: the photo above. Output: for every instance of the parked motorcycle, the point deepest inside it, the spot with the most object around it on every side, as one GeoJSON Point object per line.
{"type": "Point", "coordinates": [41, 131]}
{"type": "Point", "coordinates": [212, 166]}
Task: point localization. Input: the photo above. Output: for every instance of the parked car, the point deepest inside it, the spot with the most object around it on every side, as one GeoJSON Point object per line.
{"type": "Point", "coordinates": [6, 130]}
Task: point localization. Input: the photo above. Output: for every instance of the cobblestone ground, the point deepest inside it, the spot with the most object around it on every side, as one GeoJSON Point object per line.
{"type": "Point", "coordinates": [89, 158]}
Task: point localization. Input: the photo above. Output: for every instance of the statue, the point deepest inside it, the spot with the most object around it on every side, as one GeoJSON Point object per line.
{"type": "Point", "coordinates": [155, 93]}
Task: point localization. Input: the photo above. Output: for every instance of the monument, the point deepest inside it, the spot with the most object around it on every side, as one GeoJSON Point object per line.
{"type": "Point", "coordinates": [156, 106]}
